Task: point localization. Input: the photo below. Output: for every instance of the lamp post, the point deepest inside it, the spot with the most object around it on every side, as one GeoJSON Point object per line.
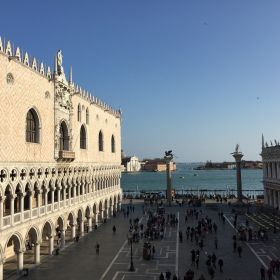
{"type": "Point", "coordinates": [131, 257]}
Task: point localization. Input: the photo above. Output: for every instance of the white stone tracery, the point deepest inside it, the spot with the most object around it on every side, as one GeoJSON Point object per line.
{"type": "Point", "coordinates": [47, 206]}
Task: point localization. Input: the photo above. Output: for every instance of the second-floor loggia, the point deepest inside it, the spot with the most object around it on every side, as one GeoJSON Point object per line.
{"type": "Point", "coordinates": [25, 203]}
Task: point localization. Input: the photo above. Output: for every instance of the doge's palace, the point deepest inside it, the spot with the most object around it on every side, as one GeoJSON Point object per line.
{"type": "Point", "coordinates": [60, 159]}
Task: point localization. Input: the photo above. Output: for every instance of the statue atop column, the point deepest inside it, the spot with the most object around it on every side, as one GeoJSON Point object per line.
{"type": "Point", "coordinates": [168, 158]}
{"type": "Point", "coordinates": [238, 157]}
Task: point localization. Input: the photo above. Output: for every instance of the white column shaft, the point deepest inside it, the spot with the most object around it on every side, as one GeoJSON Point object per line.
{"type": "Point", "coordinates": [37, 253]}
{"type": "Point", "coordinates": [51, 245]}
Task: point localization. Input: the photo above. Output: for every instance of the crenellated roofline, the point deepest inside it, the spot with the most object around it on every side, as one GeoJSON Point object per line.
{"type": "Point", "coordinates": [38, 66]}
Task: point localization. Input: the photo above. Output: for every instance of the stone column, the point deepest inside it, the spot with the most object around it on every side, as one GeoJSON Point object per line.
{"type": "Point", "coordinates": [62, 239]}
{"type": "Point", "coordinates": [1, 269]}
{"type": "Point", "coordinates": [73, 231]}
{"type": "Point", "coordinates": [20, 260]}
{"type": "Point", "coordinates": [268, 197]}
{"type": "Point", "coordinates": [46, 201]}
{"type": "Point", "coordinates": [37, 253]}
{"type": "Point", "coordinates": [90, 224]}
{"type": "Point", "coordinates": [64, 195]}
{"type": "Point", "coordinates": [39, 200]}
{"type": "Point", "coordinates": [168, 160]}
{"type": "Point", "coordinates": [51, 244]}
{"type": "Point", "coordinates": [58, 198]}
{"type": "Point", "coordinates": [238, 156]}
{"type": "Point", "coordinates": [96, 219]}
{"type": "Point", "coordinates": [52, 190]}
{"type": "Point", "coordinates": [12, 209]}
{"type": "Point", "coordinates": [1, 212]}
{"type": "Point", "coordinates": [22, 207]}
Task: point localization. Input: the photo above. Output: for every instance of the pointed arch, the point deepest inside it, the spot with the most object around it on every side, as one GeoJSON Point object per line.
{"type": "Point", "coordinates": [113, 144]}
{"type": "Point", "coordinates": [100, 141]}
{"type": "Point", "coordinates": [83, 137]}
{"type": "Point", "coordinates": [64, 137]}
{"type": "Point", "coordinates": [32, 127]}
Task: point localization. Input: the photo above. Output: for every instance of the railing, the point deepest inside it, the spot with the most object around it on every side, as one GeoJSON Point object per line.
{"type": "Point", "coordinates": [35, 212]}
{"type": "Point", "coordinates": [17, 217]}
{"type": "Point", "coordinates": [55, 206]}
{"type": "Point", "coordinates": [45, 209]}
{"type": "Point", "coordinates": [7, 221]}
{"type": "Point", "coordinates": [42, 210]}
{"type": "Point", "coordinates": [49, 208]}
{"type": "Point", "coordinates": [193, 192]}
{"type": "Point", "coordinates": [26, 214]}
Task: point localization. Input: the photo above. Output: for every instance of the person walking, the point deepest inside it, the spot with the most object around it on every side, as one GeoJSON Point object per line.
{"type": "Point", "coordinates": [97, 247]}
{"type": "Point", "coordinates": [262, 270]}
{"type": "Point", "coordinates": [239, 249]}
{"type": "Point", "coordinates": [114, 229]}
{"type": "Point", "coordinates": [214, 258]}
{"type": "Point", "coordinates": [197, 261]}
{"type": "Point", "coordinates": [168, 275]}
{"type": "Point", "coordinates": [216, 243]}
{"type": "Point", "coordinates": [221, 263]}
{"type": "Point", "coordinates": [161, 277]}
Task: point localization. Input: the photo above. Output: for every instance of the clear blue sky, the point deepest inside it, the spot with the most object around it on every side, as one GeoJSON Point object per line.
{"type": "Point", "coordinates": [193, 76]}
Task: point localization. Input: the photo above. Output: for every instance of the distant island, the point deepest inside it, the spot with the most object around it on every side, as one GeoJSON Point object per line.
{"type": "Point", "coordinates": [246, 164]}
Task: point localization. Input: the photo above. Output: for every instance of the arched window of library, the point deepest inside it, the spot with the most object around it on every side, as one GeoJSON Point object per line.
{"type": "Point", "coordinates": [83, 138]}
{"type": "Point", "coordinates": [101, 141]}
{"type": "Point", "coordinates": [64, 137]}
{"type": "Point", "coordinates": [32, 127]}
{"type": "Point", "coordinates": [113, 144]}
{"type": "Point", "coordinates": [79, 112]}
{"type": "Point", "coordinates": [87, 116]}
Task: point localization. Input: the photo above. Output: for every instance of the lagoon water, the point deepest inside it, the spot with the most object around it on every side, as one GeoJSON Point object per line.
{"type": "Point", "coordinates": [184, 178]}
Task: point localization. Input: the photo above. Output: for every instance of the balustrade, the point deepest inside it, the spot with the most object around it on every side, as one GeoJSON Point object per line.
{"type": "Point", "coordinates": [7, 221]}
{"type": "Point", "coordinates": [55, 206]}
{"type": "Point", "coordinates": [26, 214]}
{"type": "Point", "coordinates": [17, 217]}
{"type": "Point", "coordinates": [42, 210]}
{"type": "Point", "coordinates": [35, 212]}
{"type": "Point", "coordinates": [49, 208]}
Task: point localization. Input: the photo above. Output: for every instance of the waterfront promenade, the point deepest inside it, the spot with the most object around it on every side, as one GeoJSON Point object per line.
{"type": "Point", "coordinates": [79, 260]}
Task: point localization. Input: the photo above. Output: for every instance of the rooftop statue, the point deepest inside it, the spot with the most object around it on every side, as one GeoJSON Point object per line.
{"type": "Point", "coordinates": [59, 58]}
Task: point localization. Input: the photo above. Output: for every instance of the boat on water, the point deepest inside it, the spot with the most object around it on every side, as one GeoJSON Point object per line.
{"type": "Point", "coordinates": [182, 177]}
{"type": "Point", "coordinates": [194, 174]}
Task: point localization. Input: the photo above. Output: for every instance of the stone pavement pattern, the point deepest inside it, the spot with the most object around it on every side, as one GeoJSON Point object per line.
{"type": "Point", "coordinates": [80, 260]}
